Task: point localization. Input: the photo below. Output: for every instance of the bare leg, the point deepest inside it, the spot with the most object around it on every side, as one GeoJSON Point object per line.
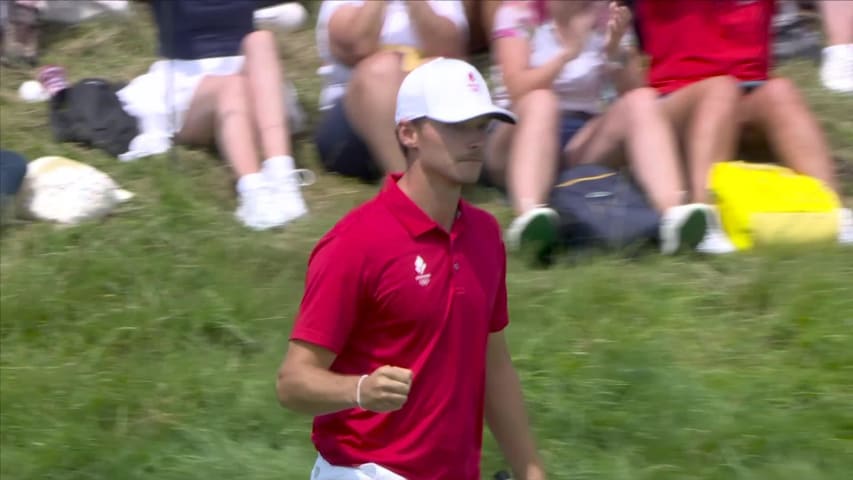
{"type": "Point", "coordinates": [370, 103]}
{"type": "Point", "coordinates": [497, 152]}
{"type": "Point", "coordinates": [779, 111]}
{"type": "Point", "coordinates": [220, 110]}
{"type": "Point", "coordinates": [528, 152]}
{"type": "Point", "coordinates": [637, 124]}
{"type": "Point", "coordinates": [837, 21]}
{"type": "Point", "coordinates": [262, 70]}
{"type": "Point", "coordinates": [704, 117]}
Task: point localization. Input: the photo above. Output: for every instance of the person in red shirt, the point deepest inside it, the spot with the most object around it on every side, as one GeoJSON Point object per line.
{"type": "Point", "coordinates": [398, 348]}
{"type": "Point", "coordinates": [711, 60]}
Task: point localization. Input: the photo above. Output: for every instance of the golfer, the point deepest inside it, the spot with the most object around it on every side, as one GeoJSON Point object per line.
{"type": "Point", "coordinates": [398, 349]}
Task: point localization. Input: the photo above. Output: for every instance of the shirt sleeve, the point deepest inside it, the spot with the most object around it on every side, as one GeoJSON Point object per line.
{"type": "Point", "coordinates": [513, 19]}
{"type": "Point", "coordinates": [453, 10]}
{"type": "Point", "coordinates": [333, 295]}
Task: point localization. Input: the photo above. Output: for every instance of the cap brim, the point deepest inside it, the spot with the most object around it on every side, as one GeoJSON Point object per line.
{"type": "Point", "coordinates": [492, 111]}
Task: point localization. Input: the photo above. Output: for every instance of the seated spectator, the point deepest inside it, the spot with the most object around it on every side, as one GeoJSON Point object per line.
{"type": "Point", "coordinates": [220, 81]}
{"type": "Point", "coordinates": [555, 61]}
{"type": "Point", "coordinates": [836, 70]}
{"type": "Point", "coordinates": [711, 62]}
{"type": "Point", "coordinates": [367, 47]}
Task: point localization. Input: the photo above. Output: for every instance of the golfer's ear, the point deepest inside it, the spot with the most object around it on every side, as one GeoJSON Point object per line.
{"type": "Point", "coordinates": [407, 134]}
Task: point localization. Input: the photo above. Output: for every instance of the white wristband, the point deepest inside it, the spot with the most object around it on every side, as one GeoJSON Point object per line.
{"type": "Point", "coordinates": [358, 392]}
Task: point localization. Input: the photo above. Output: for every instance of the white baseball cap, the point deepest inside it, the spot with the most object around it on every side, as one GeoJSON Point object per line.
{"type": "Point", "coordinates": [448, 91]}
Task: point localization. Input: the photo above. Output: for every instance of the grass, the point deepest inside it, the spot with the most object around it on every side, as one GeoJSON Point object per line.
{"type": "Point", "coordinates": [145, 346]}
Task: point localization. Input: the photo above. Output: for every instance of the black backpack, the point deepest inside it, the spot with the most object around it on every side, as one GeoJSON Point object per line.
{"type": "Point", "coordinates": [90, 113]}
{"type": "Point", "coordinates": [602, 208]}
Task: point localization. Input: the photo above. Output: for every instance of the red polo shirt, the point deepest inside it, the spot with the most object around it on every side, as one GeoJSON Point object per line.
{"type": "Point", "coordinates": [389, 286]}
{"type": "Point", "coordinates": [691, 40]}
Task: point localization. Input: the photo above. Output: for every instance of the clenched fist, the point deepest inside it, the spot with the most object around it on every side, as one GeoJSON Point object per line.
{"type": "Point", "coordinates": [386, 389]}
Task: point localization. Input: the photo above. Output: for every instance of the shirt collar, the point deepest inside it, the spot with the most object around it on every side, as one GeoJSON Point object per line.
{"type": "Point", "coordinates": [415, 220]}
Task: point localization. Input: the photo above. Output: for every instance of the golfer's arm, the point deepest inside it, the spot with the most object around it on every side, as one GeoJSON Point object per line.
{"type": "Point", "coordinates": [306, 385]}
{"type": "Point", "coordinates": [505, 412]}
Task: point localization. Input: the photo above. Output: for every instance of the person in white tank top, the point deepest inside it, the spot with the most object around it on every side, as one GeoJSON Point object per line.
{"type": "Point", "coordinates": [570, 73]}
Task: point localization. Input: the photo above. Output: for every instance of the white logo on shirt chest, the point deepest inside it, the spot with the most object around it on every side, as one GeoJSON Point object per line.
{"type": "Point", "coordinates": [420, 272]}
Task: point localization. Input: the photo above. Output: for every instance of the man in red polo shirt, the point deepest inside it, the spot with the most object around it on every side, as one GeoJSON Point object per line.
{"type": "Point", "coordinates": [398, 349]}
{"type": "Point", "coordinates": [712, 60]}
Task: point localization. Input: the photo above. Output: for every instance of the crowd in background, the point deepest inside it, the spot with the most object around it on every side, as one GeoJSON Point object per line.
{"type": "Point", "coordinates": [662, 90]}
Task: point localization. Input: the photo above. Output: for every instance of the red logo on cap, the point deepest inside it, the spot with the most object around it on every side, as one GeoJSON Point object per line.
{"type": "Point", "coordinates": [472, 82]}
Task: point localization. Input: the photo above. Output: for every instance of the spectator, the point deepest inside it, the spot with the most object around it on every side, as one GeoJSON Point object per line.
{"type": "Point", "coordinates": [711, 62]}
{"type": "Point", "coordinates": [555, 61]}
{"type": "Point", "coordinates": [366, 48]}
{"type": "Point", "coordinates": [836, 70]}
{"type": "Point", "coordinates": [220, 81]}
{"type": "Point", "coordinates": [403, 364]}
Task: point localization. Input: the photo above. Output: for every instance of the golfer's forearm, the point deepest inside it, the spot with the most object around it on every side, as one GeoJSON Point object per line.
{"type": "Point", "coordinates": [316, 391]}
{"type": "Point", "coordinates": [507, 419]}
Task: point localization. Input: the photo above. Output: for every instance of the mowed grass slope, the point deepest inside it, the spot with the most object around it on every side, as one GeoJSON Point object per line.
{"type": "Point", "coordinates": [146, 345]}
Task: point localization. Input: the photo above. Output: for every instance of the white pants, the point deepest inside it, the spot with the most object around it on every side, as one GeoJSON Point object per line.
{"type": "Point", "coordinates": [368, 471]}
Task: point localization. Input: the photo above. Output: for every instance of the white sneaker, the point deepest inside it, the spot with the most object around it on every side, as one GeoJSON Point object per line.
{"type": "Point", "coordinates": [845, 226]}
{"type": "Point", "coordinates": [538, 225]}
{"type": "Point", "coordinates": [716, 242]}
{"type": "Point", "coordinates": [287, 18]}
{"type": "Point", "coordinates": [255, 204]}
{"type": "Point", "coordinates": [836, 69]}
{"type": "Point", "coordinates": [683, 226]}
{"type": "Point", "coordinates": [286, 181]}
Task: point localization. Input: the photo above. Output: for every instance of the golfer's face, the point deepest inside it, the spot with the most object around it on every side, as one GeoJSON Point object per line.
{"type": "Point", "coordinates": [455, 150]}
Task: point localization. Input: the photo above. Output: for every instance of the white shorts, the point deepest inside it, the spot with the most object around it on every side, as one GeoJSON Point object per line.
{"type": "Point", "coordinates": [369, 471]}
{"type": "Point", "coordinates": [160, 98]}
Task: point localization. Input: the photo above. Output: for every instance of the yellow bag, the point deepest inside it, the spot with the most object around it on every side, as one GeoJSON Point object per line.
{"type": "Point", "coordinates": [762, 204]}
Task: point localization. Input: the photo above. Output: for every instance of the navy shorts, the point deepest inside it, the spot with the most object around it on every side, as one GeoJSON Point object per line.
{"type": "Point", "coordinates": [751, 85]}
{"type": "Point", "coordinates": [341, 149]}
